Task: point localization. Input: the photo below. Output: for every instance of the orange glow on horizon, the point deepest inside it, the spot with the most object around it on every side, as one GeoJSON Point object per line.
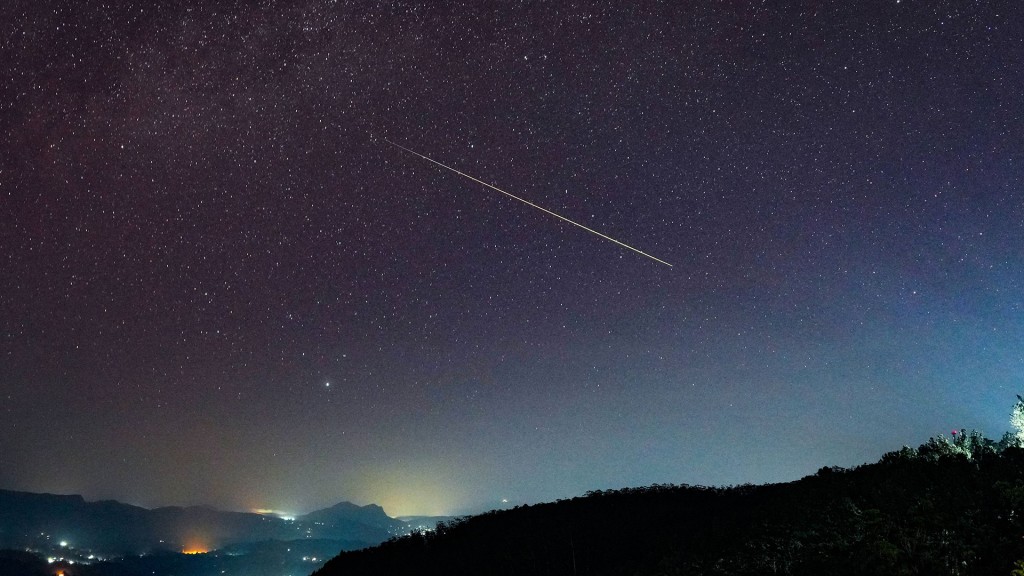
{"type": "Point", "coordinates": [195, 550]}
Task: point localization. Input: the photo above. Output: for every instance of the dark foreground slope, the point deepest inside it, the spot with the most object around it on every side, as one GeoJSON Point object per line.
{"type": "Point", "coordinates": [941, 509]}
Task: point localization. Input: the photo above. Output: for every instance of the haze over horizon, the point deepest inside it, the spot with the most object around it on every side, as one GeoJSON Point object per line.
{"type": "Point", "coordinates": [218, 288]}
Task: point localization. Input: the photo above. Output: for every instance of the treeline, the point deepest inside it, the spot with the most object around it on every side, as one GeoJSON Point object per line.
{"type": "Point", "coordinates": [953, 506]}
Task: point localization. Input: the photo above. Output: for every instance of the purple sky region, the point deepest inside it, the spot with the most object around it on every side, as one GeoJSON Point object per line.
{"type": "Point", "coordinates": [219, 286]}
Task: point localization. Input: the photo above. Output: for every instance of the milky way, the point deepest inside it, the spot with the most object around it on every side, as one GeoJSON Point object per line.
{"type": "Point", "coordinates": [215, 289]}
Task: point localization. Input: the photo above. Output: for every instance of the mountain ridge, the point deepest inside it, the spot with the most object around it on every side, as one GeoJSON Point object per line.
{"type": "Point", "coordinates": [114, 527]}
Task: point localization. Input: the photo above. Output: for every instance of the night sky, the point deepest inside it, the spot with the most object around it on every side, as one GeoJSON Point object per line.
{"type": "Point", "coordinates": [220, 285]}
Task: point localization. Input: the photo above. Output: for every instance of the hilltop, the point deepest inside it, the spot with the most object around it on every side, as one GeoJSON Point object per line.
{"type": "Point", "coordinates": [952, 506]}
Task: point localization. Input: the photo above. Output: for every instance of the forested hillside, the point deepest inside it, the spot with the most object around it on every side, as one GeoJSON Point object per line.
{"type": "Point", "coordinates": [952, 506]}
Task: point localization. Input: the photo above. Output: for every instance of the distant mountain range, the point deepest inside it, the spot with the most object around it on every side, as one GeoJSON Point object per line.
{"type": "Point", "coordinates": [47, 534]}
{"type": "Point", "coordinates": [952, 506]}
{"type": "Point", "coordinates": [29, 520]}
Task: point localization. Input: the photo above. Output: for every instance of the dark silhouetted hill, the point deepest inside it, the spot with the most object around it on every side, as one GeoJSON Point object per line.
{"type": "Point", "coordinates": [949, 507]}
{"type": "Point", "coordinates": [349, 521]}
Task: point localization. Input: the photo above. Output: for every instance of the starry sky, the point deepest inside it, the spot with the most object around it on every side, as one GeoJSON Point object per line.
{"type": "Point", "coordinates": [220, 285]}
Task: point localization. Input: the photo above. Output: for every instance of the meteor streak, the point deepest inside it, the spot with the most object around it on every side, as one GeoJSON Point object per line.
{"type": "Point", "coordinates": [527, 202]}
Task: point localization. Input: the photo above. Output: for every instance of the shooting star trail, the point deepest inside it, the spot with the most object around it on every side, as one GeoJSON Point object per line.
{"type": "Point", "coordinates": [527, 202]}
